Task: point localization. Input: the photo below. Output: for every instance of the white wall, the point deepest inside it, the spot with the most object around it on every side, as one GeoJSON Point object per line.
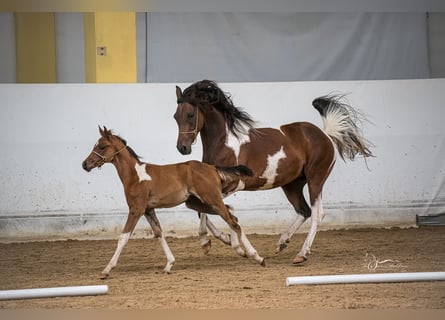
{"type": "Point", "coordinates": [46, 131]}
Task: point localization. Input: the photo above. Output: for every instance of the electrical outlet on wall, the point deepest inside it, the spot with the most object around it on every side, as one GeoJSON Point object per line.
{"type": "Point", "coordinates": [101, 51]}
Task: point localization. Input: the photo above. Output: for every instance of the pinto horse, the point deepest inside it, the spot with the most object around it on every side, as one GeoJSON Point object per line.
{"type": "Point", "coordinates": [148, 186]}
{"type": "Point", "coordinates": [289, 157]}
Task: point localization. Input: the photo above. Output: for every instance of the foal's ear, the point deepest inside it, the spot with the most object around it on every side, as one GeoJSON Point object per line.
{"type": "Point", "coordinates": [178, 92]}
{"type": "Point", "coordinates": [105, 132]}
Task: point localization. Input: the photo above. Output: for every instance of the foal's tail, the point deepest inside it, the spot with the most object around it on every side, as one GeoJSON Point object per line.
{"type": "Point", "coordinates": [234, 171]}
{"type": "Point", "coordinates": [343, 124]}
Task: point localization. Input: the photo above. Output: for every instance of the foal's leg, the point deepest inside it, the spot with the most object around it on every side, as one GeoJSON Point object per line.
{"type": "Point", "coordinates": [132, 219]}
{"type": "Point", "coordinates": [206, 243]}
{"type": "Point", "coordinates": [238, 232]}
{"type": "Point", "coordinates": [217, 206]}
{"type": "Point", "coordinates": [294, 193]}
{"type": "Point", "coordinates": [195, 204]}
{"type": "Point", "coordinates": [225, 238]}
{"type": "Point", "coordinates": [156, 227]}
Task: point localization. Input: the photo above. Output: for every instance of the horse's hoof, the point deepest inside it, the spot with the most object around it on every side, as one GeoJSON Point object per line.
{"type": "Point", "coordinates": [263, 263]}
{"type": "Point", "coordinates": [299, 259]}
{"type": "Point", "coordinates": [280, 248]}
{"type": "Point", "coordinates": [206, 247]}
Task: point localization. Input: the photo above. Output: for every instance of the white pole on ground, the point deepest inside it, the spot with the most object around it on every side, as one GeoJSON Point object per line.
{"type": "Point", "coordinates": [366, 278]}
{"type": "Point", "coordinates": [53, 292]}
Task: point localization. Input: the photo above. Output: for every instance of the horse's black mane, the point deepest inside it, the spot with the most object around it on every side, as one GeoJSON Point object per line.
{"type": "Point", "coordinates": [133, 154]}
{"type": "Point", "coordinates": [207, 92]}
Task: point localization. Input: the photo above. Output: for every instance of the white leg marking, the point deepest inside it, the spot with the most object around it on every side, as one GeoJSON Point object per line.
{"type": "Point", "coordinates": [270, 173]}
{"type": "Point", "coordinates": [251, 252]}
{"type": "Point", "coordinates": [286, 236]}
{"type": "Point", "coordinates": [168, 254]}
{"type": "Point", "coordinates": [316, 216]}
{"type": "Point", "coordinates": [235, 243]}
{"type": "Point", "coordinates": [123, 239]}
{"type": "Point", "coordinates": [217, 233]}
{"type": "Point", "coordinates": [142, 172]}
{"type": "Point", "coordinates": [203, 239]}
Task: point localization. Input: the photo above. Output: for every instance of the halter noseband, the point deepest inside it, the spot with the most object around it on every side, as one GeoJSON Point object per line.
{"type": "Point", "coordinates": [104, 159]}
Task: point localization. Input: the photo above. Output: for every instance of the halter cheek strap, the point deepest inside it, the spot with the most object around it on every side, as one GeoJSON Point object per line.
{"type": "Point", "coordinates": [195, 130]}
{"type": "Point", "coordinates": [104, 159]}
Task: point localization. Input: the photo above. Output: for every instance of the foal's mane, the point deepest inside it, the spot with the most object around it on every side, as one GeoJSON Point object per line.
{"type": "Point", "coordinates": [207, 93]}
{"type": "Point", "coordinates": [132, 152]}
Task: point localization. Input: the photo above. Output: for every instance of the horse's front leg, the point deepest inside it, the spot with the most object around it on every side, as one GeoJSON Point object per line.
{"type": "Point", "coordinates": [132, 220]}
{"type": "Point", "coordinates": [156, 227]}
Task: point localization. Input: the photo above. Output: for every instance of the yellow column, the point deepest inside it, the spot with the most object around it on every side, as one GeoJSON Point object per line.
{"type": "Point", "coordinates": [35, 47]}
{"type": "Point", "coordinates": [110, 47]}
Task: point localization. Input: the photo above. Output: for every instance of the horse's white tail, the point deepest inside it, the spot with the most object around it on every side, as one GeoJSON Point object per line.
{"type": "Point", "coordinates": [342, 123]}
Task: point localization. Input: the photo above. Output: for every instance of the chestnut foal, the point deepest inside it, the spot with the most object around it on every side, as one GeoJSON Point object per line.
{"type": "Point", "coordinates": [148, 186]}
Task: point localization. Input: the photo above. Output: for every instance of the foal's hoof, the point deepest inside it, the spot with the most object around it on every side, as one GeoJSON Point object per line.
{"type": "Point", "coordinates": [263, 263]}
{"type": "Point", "coordinates": [103, 276]}
{"type": "Point", "coordinates": [206, 247]}
{"type": "Point", "coordinates": [299, 259]}
{"type": "Point", "coordinates": [280, 248]}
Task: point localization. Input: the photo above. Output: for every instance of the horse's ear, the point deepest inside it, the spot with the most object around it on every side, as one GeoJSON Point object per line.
{"type": "Point", "coordinates": [178, 92]}
{"type": "Point", "coordinates": [102, 133]}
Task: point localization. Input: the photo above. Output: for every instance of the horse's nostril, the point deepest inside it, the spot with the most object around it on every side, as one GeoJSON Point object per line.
{"type": "Point", "coordinates": [183, 149]}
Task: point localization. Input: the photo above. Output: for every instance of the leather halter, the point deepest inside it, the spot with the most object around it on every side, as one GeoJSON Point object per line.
{"type": "Point", "coordinates": [192, 101]}
{"type": "Point", "coordinates": [104, 159]}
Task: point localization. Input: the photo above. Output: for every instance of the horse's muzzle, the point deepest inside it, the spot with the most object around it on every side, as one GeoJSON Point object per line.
{"type": "Point", "coordinates": [184, 149]}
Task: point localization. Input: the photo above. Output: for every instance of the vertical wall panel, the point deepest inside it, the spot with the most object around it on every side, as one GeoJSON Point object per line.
{"type": "Point", "coordinates": [70, 47]}
{"type": "Point", "coordinates": [116, 33]}
{"type": "Point", "coordinates": [7, 48]}
{"type": "Point", "coordinates": [89, 47]}
{"type": "Point", "coordinates": [436, 44]}
{"type": "Point", "coordinates": [141, 45]}
{"type": "Point", "coordinates": [35, 47]}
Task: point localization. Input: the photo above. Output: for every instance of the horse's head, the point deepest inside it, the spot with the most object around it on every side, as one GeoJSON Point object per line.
{"type": "Point", "coordinates": [104, 150]}
{"type": "Point", "coordinates": [190, 120]}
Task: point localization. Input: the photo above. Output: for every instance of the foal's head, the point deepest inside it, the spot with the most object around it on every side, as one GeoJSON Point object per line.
{"type": "Point", "coordinates": [106, 148]}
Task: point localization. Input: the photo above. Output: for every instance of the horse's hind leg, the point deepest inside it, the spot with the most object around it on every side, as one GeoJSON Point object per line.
{"type": "Point", "coordinates": [156, 227]}
{"type": "Point", "coordinates": [294, 193]}
{"type": "Point", "coordinates": [317, 216]}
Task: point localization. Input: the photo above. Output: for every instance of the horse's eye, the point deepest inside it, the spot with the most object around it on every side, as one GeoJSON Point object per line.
{"type": "Point", "coordinates": [190, 115]}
